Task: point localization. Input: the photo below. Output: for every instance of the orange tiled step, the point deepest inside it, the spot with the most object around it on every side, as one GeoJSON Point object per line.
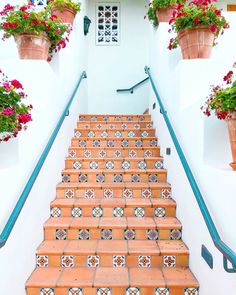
{"type": "Point", "coordinates": [112, 118]}
{"type": "Point", "coordinates": [126, 125]}
{"type": "Point", "coordinates": [113, 228]}
{"type": "Point", "coordinates": [119, 253]}
{"type": "Point", "coordinates": [126, 190]}
{"type": "Point", "coordinates": [113, 208]}
{"type": "Point", "coordinates": [130, 133]}
{"type": "Point", "coordinates": [120, 163]}
{"type": "Point", "coordinates": [114, 175]}
{"type": "Point", "coordinates": [111, 152]}
{"type": "Point", "coordinates": [114, 142]}
{"type": "Point", "coordinates": [115, 281]}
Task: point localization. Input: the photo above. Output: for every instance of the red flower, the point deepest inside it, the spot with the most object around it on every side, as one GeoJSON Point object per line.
{"type": "Point", "coordinates": [16, 84]}
{"type": "Point", "coordinates": [23, 8]}
{"type": "Point", "coordinates": [36, 21]}
{"type": "Point", "coordinates": [213, 28]}
{"type": "Point", "coordinates": [26, 15]}
{"type": "Point", "coordinates": [24, 118]}
{"type": "Point", "coordinates": [196, 20]}
{"type": "Point", "coordinates": [218, 12]}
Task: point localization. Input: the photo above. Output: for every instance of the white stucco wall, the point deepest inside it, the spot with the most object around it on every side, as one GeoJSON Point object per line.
{"type": "Point", "coordinates": [49, 86]}
{"type": "Point", "coordinates": [183, 87]}
{"type": "Point", "coordinates": [113, 67]}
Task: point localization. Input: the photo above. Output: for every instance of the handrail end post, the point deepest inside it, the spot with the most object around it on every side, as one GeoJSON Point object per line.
{"type": "Point", "coordinates": [85, 75]}
{"type": "Point", "coordinates": [2, 243]}
{"type": "Point", "coordinates": [226, 268]}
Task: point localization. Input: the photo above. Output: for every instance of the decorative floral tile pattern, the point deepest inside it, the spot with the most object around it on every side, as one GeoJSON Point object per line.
{"type": "Point", "coordinates": [127, 193]}
{"type": "Point", "coordinates": [66, 178]}
{"type": "Point", "coordinates": [160, 212]}
{"type": "Point", "coordinates": [105, 118]}
{"type": "Point", "coordinates": [108, 193]}
{"type": "Point", "coordinates": [118, 134]}
{"type": "Point", "coordinates": [67, 261]}
{"type": "Point", "coordinates": [93, 165]}
{"type": "Point", "coordinates": [118, 212]}
{"type": "Point", "coordinates": [82, 143]}
{"type": "Point", "coordinates": [165, 193]}
{"type": "Point", "coordinates": [153, 178]}
{"type": "Point", "coordinates": [81, 118]}
{"type": "Point", "coordinates": [131, 134]}
{"type": "Point", "coordinates": [55, 212]}
{"type": "Point", "coordinates": [93, 261]}
{"type": "Point", "coordinates": [93, 119]}
{"type": "Point", "coordinates": [152, 234]}
{"type": "Point", "coordinates": [169, 261]}
{"type": "Point", "coordinates": [42, 261]}
{"type": "Point", "coordinates": [102, 154]}
{"type": "Point", "coordinates": [100, 178]}
{"type": "Point", "coordinates": [135, 177]}
{"type": "Point", "coordinates": [97, 212]}
{"type": "Point", "coordinates": [142, 165]}
{"type": "Point", "coordinates": [117, 119]}
{"type": "Point", "coordinates": [191, 291]}
{"type": "Point", "coordinates": [103, 291]}
{"type": "Point", "coordinates": [162, 291]}
{"type": "Point", "coordinates": [136, 126]}
{"type": "Point", "coordinates": [153, 142]}
{"type": "Point", "coordinates": [47, 291]}
{"type": "Point", "coordinates": [69, 194]}
{"type": "Point", "coordinates": [125, 165]}
{"type": "Point", "coordinates": [72, 154]}
{"type": "Point", "coordinates": [148, 154]}
{"type": "Point", "coordinates": [77, 165]}
{"type": "Point", "coordinates": [175, 234]}
{"type": "Point", "coordinates": [91, 134]}
{"type": "Point", "coordinates": [75, 291]}
{"type": "Point", "coordinates": [124, 143]}
{"type": "Point", "coordinates": [83, 234]}
{"type": "Point", "coordinates": [129, 234]}
{"type": "Point", "coordinates": [138, 143]}
{"type": "Point", "coordinates": [104, 134]}
{"type": "Point", "coordinates": [110, 143]}
{"type": "Point", "coordinates": [76, 212]}
{"type": "Point", "coordinates": [144, 134]}
{"type": "Point", "coordinates": [118, 261]}
{"type": "Point", "coordinates": [106, 234]}
{"type": "Point", "coordinates": [77, 134]}
{"type": "Point", "coordinates": [89, 194]}
{"type": "Point", "coordinates": [87, 154]}
{"type": "Point", "coordinates": [61, 234]}
{"type": "Point", "coordinates": [110, 165]}
{"type": "Point", "coordinates": [99, 126]}
{"type": "Point", "coordinates": [141, 119]}
{"type": "Point", "coordinates": [118, 177]}
{"type": "Point", "coordinates": [111, 126]}
{"type": "Point", "coordinates": [149, 125]}
{"type": "Point", "coordinates": [117, 153]}
{"type": "Point", "coordinates": [124, 126]}
{"type": "Point", "coordinates": [144, 261]}
{"type": "Point", "coordinates": [158, 165]}
{"type": "Point", "coordinates": [139, 212]}
{"type": "Point", "coordinates": [129, 119]}
{"type": "Point", "coordinates": [132, 291]}
{"type": "Point", "coordinates": [96, 143]}
{"type": "Point", "coordinates": [132, 154]}
{"type": "Point", "coordinates": [146, 193]}
{"type": "Point", "coordinates": [82, 178]}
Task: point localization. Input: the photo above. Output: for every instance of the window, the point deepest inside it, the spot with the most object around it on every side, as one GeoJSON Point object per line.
{"type": "Point", "coordinates": [107, 24]}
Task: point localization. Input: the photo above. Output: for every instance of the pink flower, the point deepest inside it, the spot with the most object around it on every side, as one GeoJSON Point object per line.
{"type": "Point", "coordinates": [213, 28]}
{"type": "Point", "coordinates": [8, 112]}
{"type": "Point", "coordinates": [24, 118]}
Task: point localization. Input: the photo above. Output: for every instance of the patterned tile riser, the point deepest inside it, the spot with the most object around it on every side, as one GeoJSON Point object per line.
{"type": "Point", "coordinates": [111, 260]}
{"type": "Point", "coordinates": [116, 142]}
{"type": "Point", "coordinates": [115, 234]}
{"type": "Point", "coordinates": [105, 133]}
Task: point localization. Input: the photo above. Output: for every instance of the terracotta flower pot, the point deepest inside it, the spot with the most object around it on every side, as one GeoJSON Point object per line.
{"type": "Point", "coordinates": [164, 14]}
{"type": "Point", "coordinates": [67, 15]}
{"type": "Point", "coordinates": [196, 42]}
{"type": "Point", "coordinates": [31, 46]}
{"type": "Point", "coordinates": [231, 122]}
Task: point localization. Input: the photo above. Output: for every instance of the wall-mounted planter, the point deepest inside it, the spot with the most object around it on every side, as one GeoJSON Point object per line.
{"type": "Point", "coordinates": [9, 153]}
{"type": "Point", "coordinates": [196, 42]}
{"type": "Point", "coordinates": [165, 14]}
{"type": "Point", "coordinates": [31, 46]}
{"type": "Point", "coordinates": [231, 122]}
{"type": "Point", "coordinates": [67, 15]}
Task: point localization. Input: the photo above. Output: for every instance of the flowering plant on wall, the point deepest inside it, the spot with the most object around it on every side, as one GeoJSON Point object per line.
{"type": "Point", "coordinates": [68, 3]}
{"type": "Point", "coordinates": [198, 13]}
{"type": "Point", "coordinates": [19, 20]}
{"type": "Point", "coordinates": [14, 114]}
{"type": "Point", "coordinates": [222, 99]}
{"type": "Point", "coordinates": [154, 5]}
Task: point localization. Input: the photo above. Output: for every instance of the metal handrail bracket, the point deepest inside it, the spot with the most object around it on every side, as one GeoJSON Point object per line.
{"type": "Point", "coordinates": [26, 191]}
{"type": "Point", "coordinates": [228, 253]}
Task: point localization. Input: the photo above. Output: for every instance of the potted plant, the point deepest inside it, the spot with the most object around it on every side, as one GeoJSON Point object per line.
{"type": "Point", "coordinates": [222, 101]}
{"type": "Point", "coordinates": [197, 24]}
{"type": "Point", "coordinates": [37, 34]}
{"type": "Point", "coordinates": [14, 114]}
{"type": "Point", "coordinates": [65, 10]}
{"type": "Point", "coordinates": [161, 10]}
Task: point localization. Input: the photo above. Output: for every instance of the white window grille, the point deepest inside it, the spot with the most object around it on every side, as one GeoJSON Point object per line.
{"type": "Point", "coordinates": [107, 24]}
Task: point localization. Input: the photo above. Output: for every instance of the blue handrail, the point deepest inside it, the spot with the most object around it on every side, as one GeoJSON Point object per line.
{"type": "Point", "coordinates": [228, 253]}
{"type": "Point", "coordinates": [131, 89]}
{"type": "Point", "coordinates": [25, 193]}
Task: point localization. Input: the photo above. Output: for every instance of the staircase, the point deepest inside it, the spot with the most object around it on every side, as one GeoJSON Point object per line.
{"type": "Point", "coordinates": [113, 229]}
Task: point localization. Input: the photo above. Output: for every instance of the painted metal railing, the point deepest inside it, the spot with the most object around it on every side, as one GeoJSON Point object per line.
{"type": "Point", "coordinates": [25, 193]}
{"type": "Point", "coordinates": [131, 89]}
{"type": "Point", "coordinates": [228, 253]}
